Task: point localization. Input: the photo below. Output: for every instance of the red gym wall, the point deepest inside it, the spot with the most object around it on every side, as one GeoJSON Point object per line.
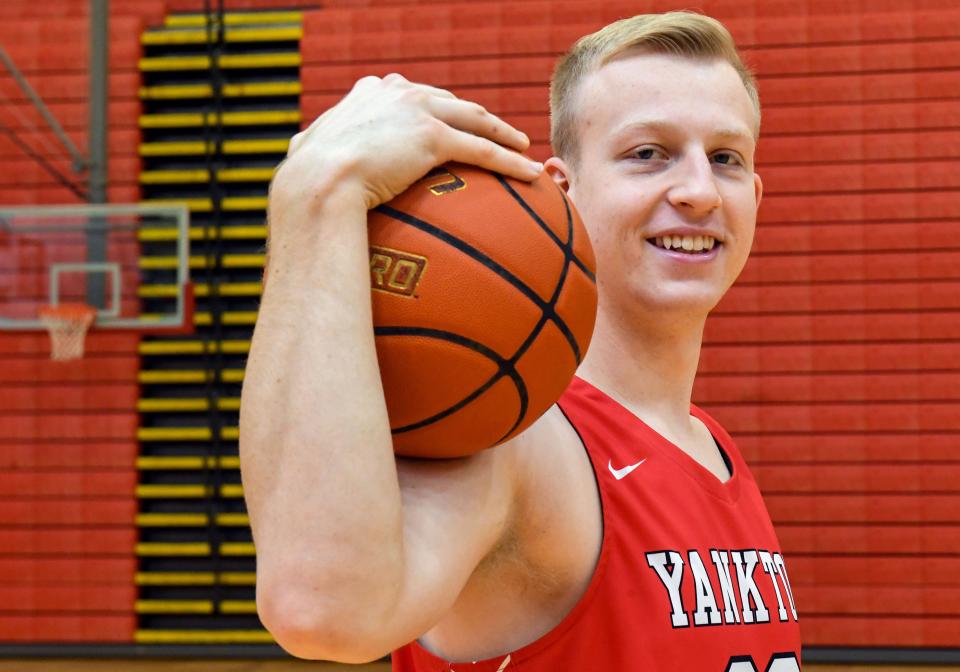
{"type": "Point", "coordinates": [832, 362]}
{"type": "Point", "coordinates": [68, 431]}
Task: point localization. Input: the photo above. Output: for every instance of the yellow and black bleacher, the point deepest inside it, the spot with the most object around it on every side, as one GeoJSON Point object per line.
{"type": "Point", "coordinates": [220, 101]}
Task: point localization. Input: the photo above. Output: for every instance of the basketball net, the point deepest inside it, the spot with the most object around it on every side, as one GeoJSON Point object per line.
{"type": "Point", "coordinates": [67, 324]}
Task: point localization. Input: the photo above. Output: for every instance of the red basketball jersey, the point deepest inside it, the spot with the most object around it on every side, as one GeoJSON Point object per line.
{"type": "Point", "coordinates": [690, 575]}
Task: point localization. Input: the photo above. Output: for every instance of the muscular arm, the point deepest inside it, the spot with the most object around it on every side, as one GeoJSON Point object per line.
{"type": "Point", "coordinates": [349, 565]}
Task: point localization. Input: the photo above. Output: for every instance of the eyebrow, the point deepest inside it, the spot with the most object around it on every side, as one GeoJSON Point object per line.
{"type": "Point", "coordinates": [666, 126]}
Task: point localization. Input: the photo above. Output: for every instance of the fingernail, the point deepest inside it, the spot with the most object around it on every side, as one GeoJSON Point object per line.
{"type": "Point", "coordinates": [536, 166]}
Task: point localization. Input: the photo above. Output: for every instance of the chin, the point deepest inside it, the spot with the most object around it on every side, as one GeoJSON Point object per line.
{"type": "Point", "coordinates": [680, 301]}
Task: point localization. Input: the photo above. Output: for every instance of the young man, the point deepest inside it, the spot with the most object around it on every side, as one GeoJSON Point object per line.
{"type": "Point", "coordinates": [623, 530]}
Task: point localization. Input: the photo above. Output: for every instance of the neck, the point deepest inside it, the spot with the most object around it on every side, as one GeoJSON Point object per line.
{"type": "Point", "coordinates": [648, 363]}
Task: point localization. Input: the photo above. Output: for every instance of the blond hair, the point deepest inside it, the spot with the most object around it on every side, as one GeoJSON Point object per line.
{"type": "Point", "coordinates": [679, 33]}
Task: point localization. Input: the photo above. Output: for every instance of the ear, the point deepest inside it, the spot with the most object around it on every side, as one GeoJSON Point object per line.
{"type": "Point", "coordinates": [758, 188]}
{"type": "Point", "coordinates": [558, 170]}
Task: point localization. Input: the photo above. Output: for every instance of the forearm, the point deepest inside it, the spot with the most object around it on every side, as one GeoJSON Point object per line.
{"type": "Point", "coordinates": [319, 473]}
{"type": "Point", "coordinates": [334, 540]}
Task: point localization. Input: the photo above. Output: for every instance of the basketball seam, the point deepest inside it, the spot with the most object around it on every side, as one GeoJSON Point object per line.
{"type": "Point", "coordinates": [477, 255]}
{"type": "Point", "coordinates": [466, 248]}
{"type": "Point", "coordinates": [553, 314]}
{"type": "Point", "coordinates": [569, 256]}
{"type": "Point", "coordinates": [568, 247]}
{"type": "Point", "coordinates": [490, 264]}
{"type": "Point", "coordinates": [504, 368]}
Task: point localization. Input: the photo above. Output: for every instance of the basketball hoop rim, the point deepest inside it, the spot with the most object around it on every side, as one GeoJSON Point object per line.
{"type": "Point", "coordinates": [67, 325]}
{"type": "Point", "coordinates": [67, 312]}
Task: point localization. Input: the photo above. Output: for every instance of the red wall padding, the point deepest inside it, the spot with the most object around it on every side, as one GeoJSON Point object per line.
{"type": "Point", "coordinates": [68, 430]}
{"type": "Point", "coordinates": [833, 361]}
{"type": "Point", "coordinates": [67, 473]}
{"type": "Point", "coordinates": [52, 54]}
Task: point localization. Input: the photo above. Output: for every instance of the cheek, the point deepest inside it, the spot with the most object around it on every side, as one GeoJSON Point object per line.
{"type": "Point", "coordinates": [594, 217]}
{"type": "Point", "coordinates": [747, 227]}
{"type": "Point", "coordinates": [744, 234]}
{"type": "Point", "coordinates": [614, 212]}
{"type": "Point", "coordinates": [740, 210]}
{"type": "Point", "coordinates": [607, 236]}
{"type": "Point", "coordinates": [606, 219]}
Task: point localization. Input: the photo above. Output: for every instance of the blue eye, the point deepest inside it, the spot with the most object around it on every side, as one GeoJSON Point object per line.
{"type": "Point", "coordinates": [648, 153]}
{"type": "Point", "coordinates": [726, 159]}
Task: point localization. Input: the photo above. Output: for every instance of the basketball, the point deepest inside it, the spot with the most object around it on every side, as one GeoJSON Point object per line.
{"type": "Point", "coordinates": [484, 300]}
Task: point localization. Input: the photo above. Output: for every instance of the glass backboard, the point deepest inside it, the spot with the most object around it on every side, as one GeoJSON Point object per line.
{"type": "Point", "coordinates": [129, 262]}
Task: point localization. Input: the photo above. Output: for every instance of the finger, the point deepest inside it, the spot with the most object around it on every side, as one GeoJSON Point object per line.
{"type": "Point", "coordinates": [396, 79]}
{"type": "Point", "coordinates": [469, 148]}
{"type": "Point", "coordinates": [370, 83]}
{"type": "Point", "coordinates": [439, 93]}
{"type": "Point", "coordinates": [473, 118]}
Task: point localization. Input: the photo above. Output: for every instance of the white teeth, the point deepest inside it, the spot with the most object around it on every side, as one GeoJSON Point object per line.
{"type": "Point", "coordinates": [686, 243]}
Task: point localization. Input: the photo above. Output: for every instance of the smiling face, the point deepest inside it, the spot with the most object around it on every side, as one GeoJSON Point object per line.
{"type": "Point", "coordinates": [664, 180]}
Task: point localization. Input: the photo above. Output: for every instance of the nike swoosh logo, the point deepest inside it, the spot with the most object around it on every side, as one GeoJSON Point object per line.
{"type": "Point", "coordinates": [622, 473]}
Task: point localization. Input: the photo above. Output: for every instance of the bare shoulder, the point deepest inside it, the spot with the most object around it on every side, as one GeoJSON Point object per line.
{"type": "Point", "coordinates": [513, 490]}
{"type": "Point", "coordinates": [469, 500]}
{"type": "Point", "coordinates": [525, 495]}
{"type": "Point", "coordinates": [542, 557]}
{"type": "Point", "coordinates": [560, 523]}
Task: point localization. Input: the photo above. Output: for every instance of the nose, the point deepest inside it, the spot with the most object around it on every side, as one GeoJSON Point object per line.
{"type": "Point", "coordinates": [695, 190]}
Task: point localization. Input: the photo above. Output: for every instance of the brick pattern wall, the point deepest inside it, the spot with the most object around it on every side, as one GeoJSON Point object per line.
{"type": "Point", "coordinates": [67, 430]}
{"type": "Point", "coordinates": [833, 360]}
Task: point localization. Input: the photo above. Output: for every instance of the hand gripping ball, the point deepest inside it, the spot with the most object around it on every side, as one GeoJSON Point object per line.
{"type": "Point", "coordinates": [484, 301]}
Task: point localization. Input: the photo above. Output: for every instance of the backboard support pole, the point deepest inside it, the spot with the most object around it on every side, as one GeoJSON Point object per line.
{"type": "Point", "coordinates": [99, 59]}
